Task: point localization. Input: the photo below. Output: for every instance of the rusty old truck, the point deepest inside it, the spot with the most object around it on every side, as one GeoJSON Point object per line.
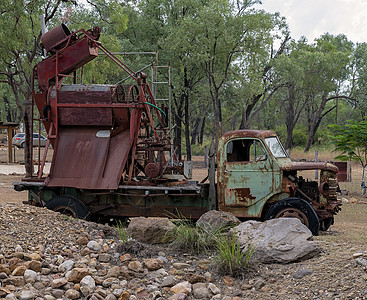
{"type": "Point", "coordinates": [113, 156]}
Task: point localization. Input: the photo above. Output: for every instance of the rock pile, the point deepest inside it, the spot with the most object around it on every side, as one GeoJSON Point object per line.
{"type": "Point", "coordinates": [45, 255]}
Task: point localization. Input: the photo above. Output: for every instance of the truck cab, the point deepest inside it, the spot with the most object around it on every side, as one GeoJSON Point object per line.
{"type": "Point", "coordinates": [257, 179]}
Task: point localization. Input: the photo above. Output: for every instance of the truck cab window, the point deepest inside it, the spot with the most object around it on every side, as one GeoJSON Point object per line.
{"type": "Point", "coordinates": [245, 150]}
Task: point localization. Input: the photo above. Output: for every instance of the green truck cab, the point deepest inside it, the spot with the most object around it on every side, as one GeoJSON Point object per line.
{"type": "Point", "coordinates": [257, 179]}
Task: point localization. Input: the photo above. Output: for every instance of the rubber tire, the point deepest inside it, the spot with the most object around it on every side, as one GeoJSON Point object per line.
{"type": "Point", "coordinates": [302, 205]}
{"type": "Point", "coordinates": [22, 144]}
{"type": "Point", "coordinates": [326, 223]}
{"type": "Point", "coordinates": [78, 208]}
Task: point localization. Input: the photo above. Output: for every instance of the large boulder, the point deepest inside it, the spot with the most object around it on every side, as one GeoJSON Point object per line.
{"type": "Point", "coordinates": [151, 231]}
{"type": "Point", "coordinates": [214, 220]}
{"type": "Point", "coordinates": [282, 240]}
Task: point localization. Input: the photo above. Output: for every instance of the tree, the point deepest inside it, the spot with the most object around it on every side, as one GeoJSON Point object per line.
{"type": "Point", "coordinates": [20, 47]}
{"type": "Point", "coordinates": [351, 141]}
{"type": "Point", "coordinates": [328, 71]}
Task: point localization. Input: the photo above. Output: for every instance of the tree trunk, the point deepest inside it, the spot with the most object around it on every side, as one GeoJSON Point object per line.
{"type": "Point", "coordinates": [28, 141]}
{"type": "Point", "coordinates": [202, 128]}
{"type": "Point", "coordinates": [187, 127]}
{"type": "Point", "coordinates": [178, 131]}
{"type": "Point", "coordinates": [195, 131]}
{"type": "Point", "coordinates": [290, 117]}
{"type": "Point", "coordinates": [316, 120]}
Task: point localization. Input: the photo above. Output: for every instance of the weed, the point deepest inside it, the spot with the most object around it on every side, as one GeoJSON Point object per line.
{"type": "Point", "coordinates": [124, 236]}
{"type": "Point", "coordinates": [229, 257]}
{"type": "Point", "coordinates": [195, 239]}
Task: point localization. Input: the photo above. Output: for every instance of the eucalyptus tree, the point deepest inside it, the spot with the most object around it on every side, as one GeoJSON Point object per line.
{"type": "Point", "coordinates": [20, 47]}
{"type": "Point", "coordinates": [328, 73]}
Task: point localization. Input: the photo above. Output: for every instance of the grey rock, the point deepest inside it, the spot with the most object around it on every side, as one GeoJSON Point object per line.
{"type": "Point", "coordinates": [67, 265]}
{"type": "Point", "coordinates": [179, 265]}
{"type": "Point", "coordinates": [30, 276]}
{"type": "Point", "coordinates": [85, 291]}
{"type": "Point", "coordinates": [151, 231]}
{"type": "Point", "coordinates": [88, 281]}
{"type": "Point", "coordinates": [168, 281]}
{"type": "Point", "coordinates": [213, 288]}
{"type": "Point", "coordinates": [200, 291]}
{"type": "Point", "coordinates": [26, 295]}
{"type": "Point", "coordinates": [117, 292]}
{"type": "Point", "coordinates": [361, 261]}
{"type": "Point", "coordinates": [94, 246]}
{"type": "Point", "coordinates": [165, 260]}
{"type": "Point", "coordinates": [49, 297]}
{"type": "Point", "coordinates": [57, 293]}
{"type": "Point", "coordinates": [11, 296]}
{"type": "Point", "coordinates": [216, 220]}
{"type": "Point", "coordinates": [301, 273]}
{"type": "Point", "coordinates": [109, 281]}
{"type": "Point", "coordinates": [38, 285]}
{"type": "Point", "coordinates": [111, 297]}
{"type": "Point", "coordinates": [3, 275]}
{"type": "Point", "coordinates": [282, 240]}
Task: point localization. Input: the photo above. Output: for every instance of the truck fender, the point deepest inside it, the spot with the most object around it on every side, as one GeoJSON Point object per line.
{"type": "Point", "coordinates": [297, 208]}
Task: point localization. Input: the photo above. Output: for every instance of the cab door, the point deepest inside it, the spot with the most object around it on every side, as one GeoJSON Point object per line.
{"type": "Point", "coordinates": [247, 176]}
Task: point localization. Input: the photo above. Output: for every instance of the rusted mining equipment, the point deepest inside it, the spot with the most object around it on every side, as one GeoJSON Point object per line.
{"type": "Point", "coordinates": [102, 135]}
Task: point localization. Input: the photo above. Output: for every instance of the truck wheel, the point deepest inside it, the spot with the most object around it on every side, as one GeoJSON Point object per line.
{"type": "Point", "coordinates": [326, 223]}
{"type": "Point", "coordinates": [295, 208]}
{"type": "Point", "coordinates": [69, 206]}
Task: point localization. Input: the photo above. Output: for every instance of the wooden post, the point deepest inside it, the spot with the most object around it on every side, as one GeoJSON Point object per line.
{"type": "Point", "coordinates": [211, 174]}
{"type": "Point", "coordinates": [316, 159]}
{"type": "Point", "coordinates": [10, 146]}
{"type": "Point", "coordinates": [206, 157]}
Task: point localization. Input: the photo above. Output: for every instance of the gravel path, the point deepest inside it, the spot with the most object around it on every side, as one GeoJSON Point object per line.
{"type": "Point", "coordinates": [45, 255]}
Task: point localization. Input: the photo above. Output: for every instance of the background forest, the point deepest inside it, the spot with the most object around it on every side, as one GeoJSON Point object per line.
{"type": "Point", "coordinates": [232, 66]}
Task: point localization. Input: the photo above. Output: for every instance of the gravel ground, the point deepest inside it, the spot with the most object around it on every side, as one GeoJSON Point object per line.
{"type": "Point", "coordinates": [42, 254]}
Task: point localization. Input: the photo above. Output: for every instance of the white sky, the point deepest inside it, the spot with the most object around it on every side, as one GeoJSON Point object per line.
{"type": "Point", "coordinates": [313, 18]}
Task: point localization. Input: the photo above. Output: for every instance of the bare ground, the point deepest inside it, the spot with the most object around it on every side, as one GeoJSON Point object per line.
{"type": "Point", "coordinates": [335, 274]}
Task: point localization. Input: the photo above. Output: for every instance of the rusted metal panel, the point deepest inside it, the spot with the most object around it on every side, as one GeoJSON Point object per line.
{"type": "Point", "coordinates": [85, 116]}
{"type": "Point", "coordinates": [83, 160]}
{"type": "Point", "coordinates": [342, 174]}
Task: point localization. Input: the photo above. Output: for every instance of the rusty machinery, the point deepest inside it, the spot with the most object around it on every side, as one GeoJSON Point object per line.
{"type": "Point", "coordinates": [102, 135]}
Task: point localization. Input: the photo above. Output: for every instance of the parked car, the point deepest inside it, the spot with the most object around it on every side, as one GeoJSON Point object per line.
{"type": "Point", "coordinates": [19, 140]}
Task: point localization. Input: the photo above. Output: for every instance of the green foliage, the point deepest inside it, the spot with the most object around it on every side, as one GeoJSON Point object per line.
{"type": "Point", "coordinates": [229, 256]}
{"type": "Point", "coordinates": [351, 141]}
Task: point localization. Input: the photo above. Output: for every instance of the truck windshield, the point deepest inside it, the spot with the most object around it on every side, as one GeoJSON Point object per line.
{"type": "Point", "coordinates": [276, 147]}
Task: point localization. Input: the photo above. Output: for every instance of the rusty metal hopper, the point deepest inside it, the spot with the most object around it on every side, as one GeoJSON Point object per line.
{"type": "Point", "coordinates": [88, 154]}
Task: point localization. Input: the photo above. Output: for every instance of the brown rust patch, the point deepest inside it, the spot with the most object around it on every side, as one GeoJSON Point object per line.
{"type": "Point", "coordinates": [243, 194]}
